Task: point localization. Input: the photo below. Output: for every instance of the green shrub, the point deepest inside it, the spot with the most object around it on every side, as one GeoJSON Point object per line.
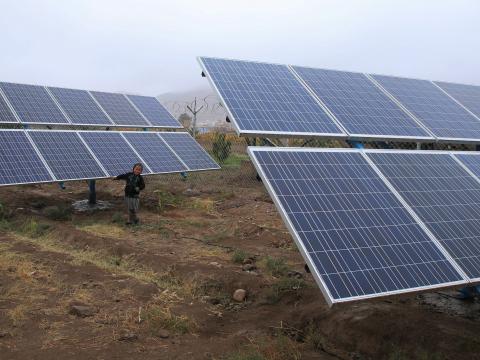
{"type": "Point", "coordinates": [34, 229]}
{"type": "Point", "coordinates": [238, 256]}
{"type": "Point", "coordinates": [276, 267]}
{"type": "Point", "coordinates": [58, 212]}
{"type": "Point", "coordinates": [221, 147]}
{"type": "Point", "coordinates": [284, 286]}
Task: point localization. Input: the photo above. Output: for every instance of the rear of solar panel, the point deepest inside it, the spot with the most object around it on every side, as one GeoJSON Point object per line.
{"type": "Point", "coordinates": [266, 98]}
{"type": "Point", "coordinates": [155, 113]}
{"type": "Point", "coordinates": [33, 104]}
{"type": "Point", "coordinates": [191, 153]}
{"type": "Point", "coordinates": [356, 235]}
{"type": "Point", "coordinates": [19, 161]}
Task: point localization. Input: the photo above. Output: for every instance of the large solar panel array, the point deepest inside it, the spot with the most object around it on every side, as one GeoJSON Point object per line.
{"type": "Point", "coordinates": [276, 100]}
{"type": "Point", "coordinates": [467, 95]}
{"type": "Point", "coordinates": [32, 104]}
{"type": "Point", "coordinates": [35, 156]}
{"type": "Point", "coordinates": [444, 117]}
{"type": "Point", "coordinates": [360, 106]}
{"type": "Point", "coordinates": [267, 99]}
{"type": "Point", "coordinates": [352, 229]}
{"type": "Point", "coordinates": [445, 197]}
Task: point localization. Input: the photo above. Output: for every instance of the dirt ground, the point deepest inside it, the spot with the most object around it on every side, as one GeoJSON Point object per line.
{"type": "Point", "coordinates": [82, 285]}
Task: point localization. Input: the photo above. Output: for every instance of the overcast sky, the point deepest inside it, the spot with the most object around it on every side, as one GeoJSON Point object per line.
{"type": "Point", "coordinates": [150, 47]}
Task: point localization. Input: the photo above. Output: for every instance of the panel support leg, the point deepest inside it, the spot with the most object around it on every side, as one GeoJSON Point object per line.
{"type": "Point", "coordinates": [92, 193]}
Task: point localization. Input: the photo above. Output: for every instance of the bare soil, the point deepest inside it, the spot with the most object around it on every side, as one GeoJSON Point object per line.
{"type": "Point", "coordinates": [163, 290]}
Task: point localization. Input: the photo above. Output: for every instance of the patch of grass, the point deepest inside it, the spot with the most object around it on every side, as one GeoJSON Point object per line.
{"type": "Point", "coordinates": [34, 229]}
{"type": "Point", "coordinates": [102, 229]}
{"type": "Point", "coordinates": [313, 337]}
{"type": "Point", "coordinates": [18, 314]}
{"type": "Point", "coordinates": [200, 204]}
{"type": "Point", "coordinates": [58, 213]}
{"type": "Point", "coordinates": [239, 256]}
{"type": "Point", "coordinates": [235, 160]}
{"type": "Point", "coordinates": [284, 286]}
{"type": "Point", "coordinates": [247, 355]}
{"type": "Point", "coordinates": [278, 348]}
{"type": "Point", "coordinates": [276, 266]}
{"type": "Point", "coordinates": [158, 318]}
{"type": "Point", "coordinates": [117, 218]}
{"type": "Point", "coordinates": [166, 199]}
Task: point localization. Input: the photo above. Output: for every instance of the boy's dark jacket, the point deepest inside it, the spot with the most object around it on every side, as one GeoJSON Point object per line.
{"type": "Point", "coordinates": [134, 184]}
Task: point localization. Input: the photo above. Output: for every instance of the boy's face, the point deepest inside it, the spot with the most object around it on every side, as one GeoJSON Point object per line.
{"type": "Point", "coordinates": [137, 170]}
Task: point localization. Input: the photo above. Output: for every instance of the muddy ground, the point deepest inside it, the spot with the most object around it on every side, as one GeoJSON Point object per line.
{"type": "Point", "coordinates": [82, 285]}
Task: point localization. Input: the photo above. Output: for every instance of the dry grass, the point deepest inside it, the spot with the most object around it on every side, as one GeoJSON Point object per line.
{"type": "Point", "coordinates": [158, 318]}
{"type": "Point", "coordinates": [103, 230]}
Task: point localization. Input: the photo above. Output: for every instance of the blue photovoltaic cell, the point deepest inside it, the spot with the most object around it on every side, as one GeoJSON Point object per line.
{"type": "Point", "coordinates": [360, 238]}
{"type": "Point", "coordinates": [66, 155]}
{"type": "Point", "coordinates": [154, 111]}
{"type": "Point", "coordinates": [267, 98]}
{"type": "Point", "coordinates": [359, 105]}
{"type": "Point", "coordinates": [439, 113]}
{"type": "Point", "coordinates": [444, 196]}
{"type": "Point", "coordinates": [80, 107]}
{"type": "Point", "coordinates": [467, 95]}
{"type": "Point", "coordinates": [155, 152]}
{"type": "Point", "coordinates": [113, 152]}
{"type": "Point", "coordinates": [471, 161]}
{"type": "Point", "coordinates": [119, 109]}
{"type": "Point", "coordinates": [33, 104]}
{"type": "Point", "coordinates": [19, 163]}
{"type": "Point", "coordinates": [6, 115]}
{"type": "Point", "coordinates": [191, 153]}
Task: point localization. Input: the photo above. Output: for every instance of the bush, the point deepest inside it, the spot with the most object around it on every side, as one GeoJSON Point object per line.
{"type": "Point", "coordinates": [276, 267]}
{"type": "Point", "coordinates": [238, 256]}
{"type": "Point", "coordinates": [221, 147]}
{"type": "Point", "coordinates": [58, 212]}
{"type": "Point", "coordinates": [34, 229]}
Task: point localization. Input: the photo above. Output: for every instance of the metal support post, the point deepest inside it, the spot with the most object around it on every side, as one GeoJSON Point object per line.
{"type": "Point", "coordinates": [92, 193]}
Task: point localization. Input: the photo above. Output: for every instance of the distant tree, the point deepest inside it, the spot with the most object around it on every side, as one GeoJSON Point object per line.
{"type": "Point", "coordinates": [185, 120]}
{"type": "Point", "coordinates": [221, 147]}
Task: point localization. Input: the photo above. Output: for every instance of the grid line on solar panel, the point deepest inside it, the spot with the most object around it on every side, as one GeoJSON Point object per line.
{"type": "Point", "coordinates": [467, 95]}
{"type": "Point", "coordinates": [359, 105]}
{"type": "Point", "coordinates": [153, 111]}
{"type": "Point", "coordinates": [19, 161]}
{"type": "Point", "coordinates": [437, 111]}
{"type": "Point", "coordinates": [470, 161]}
{"type": "Point", "coordinates": [351, 227]}
{"type": "Point", "coordinates": [112, 151]}
{"type": "Point", "coordinates": [189, 151]}
{"type": "Point", "coordinates": [444, 196]}
{"type": "Point", "coordinates": [6, 114]}
{"type": "Point", "coordinates": [33, 104]}
{"type": "Point", "coordinates": [79, 106]}
{"type": "Point", "coordinates": [119, 109]}
{"type": "Point", "coordinates": [66, 155]}
{"type": "Point", "coordinates": [155, 152]}
{"type": "Point", "coordinates": [267, 98]}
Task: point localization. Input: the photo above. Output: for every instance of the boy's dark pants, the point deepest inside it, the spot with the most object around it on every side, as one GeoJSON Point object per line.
{"type": "Point", "coordinates": [133, 204]}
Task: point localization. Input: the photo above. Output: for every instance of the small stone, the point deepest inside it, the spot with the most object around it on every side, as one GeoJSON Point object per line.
{"type": "Point", "coordinates": [163, 334]}
{"type": "Point", "coordinates": [128, 336]}
{"type": "Point", "coordinates": [249, 267]}
{"type": "Point", "coordinates": [3, 334]}
{"type": "Point", "coordinates": [247, 261]}
{"type": "Point", "coordinates": [239, 295]}
{"type": "Point", "coordinates": [81, 310]}
{"type": "Point", "coordinates": [295, 274]}
{"type": "Point", "coordinates": [216, 264]}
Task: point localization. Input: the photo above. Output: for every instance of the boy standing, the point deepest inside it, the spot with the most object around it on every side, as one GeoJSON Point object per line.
{"type": "Point", "coordinates": [134, 184]}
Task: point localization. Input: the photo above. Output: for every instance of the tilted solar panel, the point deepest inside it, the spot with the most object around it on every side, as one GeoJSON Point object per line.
{"type": "Point", "coordinates": [33, 104]}
{"type": "Point", "coordinates": [267, 99]}
{"type": "Point", "coordinates": [19, 162]}
{"type": "Point", "coordinates": [360, 106]}
{"type": "Point", "coordinates": [155, 113]}
{"type": "Point", "coordinates": [155, 152]}
{"type": "Point", "coordinates": [191, 153]}
{"type": "Point", "coordinates": [439, 113]}
{"type": "Point", "coordinates": [467, 95]}
{"type": "Point", "coordinates": [80, 106]}
{"type": "Point", "coordinates": [6, 115]}
{"type": "Point", "coordinates": [471, 161]}
{"type": "Point", "coordinates": [119, 109]}
{"type": "Point", "coordinates": [66, 155]}
{"type": "Point", "coordinates": [357, 237]}
{"type": "Point", "coordinates": [445, 197]}
{"type": "Point", "coordinates": [112, 151]}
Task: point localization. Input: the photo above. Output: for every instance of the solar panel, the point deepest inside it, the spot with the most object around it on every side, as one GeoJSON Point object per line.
{"type": "Point", "coordinates": [66, 155]}
{"type": "Point", "coordinates": [154, 111]}
{"type": "Point", "coordinates": [266, 98]}
{"type": "Point", "coordinates": [439, 113]}
{"type": "Point", "coordinates": [19, 162]}
{"type": "Point", "coordinates": [119, 109]}
{"type": "Point", "coordinates": [6, 115]}
{"type": "Point", "coordinates": [356, 236]}
{"type": "Point", "coordinates": [471, 161]}
{"type": "Point", "coordinates": [360, 106]}
{"type": "Point", "coordinates": [155, 152]}
{"type": "Point", "coordinates": [191, 153]}
{"type": "Point", "coordinates": [467, 95]}
{"type": "Point", "coordinates": [80, 106]}
{"type": "Point", "coordinates": [33, 104]}
{"type": "Point", "coordinates": [444, 196]}
{"type": "Point", "coordinates": [113, 151]}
